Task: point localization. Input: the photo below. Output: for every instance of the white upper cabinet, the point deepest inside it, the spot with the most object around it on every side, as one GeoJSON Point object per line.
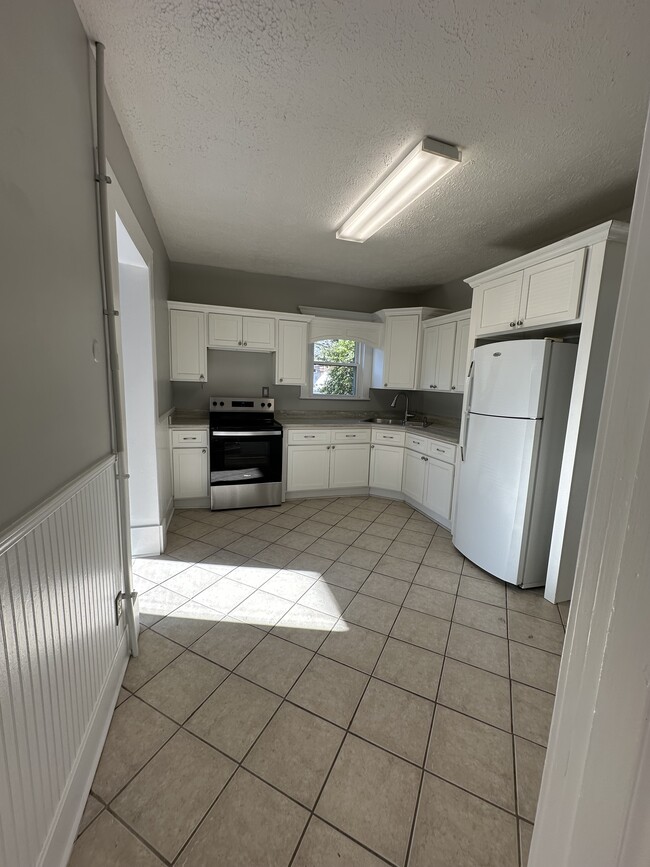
{"type": "Point", "coordinates": [551, 290]}
{"type": "Point", "coordinates": [187, 345]}
{"type": "Point", "coordinates": [229, 331]}
{"type": "Point", "coordinates": [258, 332]}
{"type": "Point", "coordinates": [547, 293]}
{"type": "Point", "coordinates": [499, 304]}
{"type": "Point", "coordinates": [349, 466]}
{"type": "Point", "coordinates": [444, 352]}
{"type": "Point", "coordinates": [291, 355]}
{"type": "Point", "coordinates": [400, 352]}
{"type": "Point", "coordinates": [438, 356]}
{"type": "Point", "coordinates": [460, 356]}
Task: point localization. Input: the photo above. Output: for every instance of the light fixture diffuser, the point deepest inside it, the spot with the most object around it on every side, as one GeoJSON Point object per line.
{"type": "Point", "coordinates": [429, 161]}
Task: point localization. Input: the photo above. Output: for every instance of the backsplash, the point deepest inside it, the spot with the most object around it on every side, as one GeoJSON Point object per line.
{"type": "Point", "coordinates": [235, 373]}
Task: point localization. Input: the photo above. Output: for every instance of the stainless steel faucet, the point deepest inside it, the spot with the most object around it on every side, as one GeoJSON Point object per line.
{"type": "Point", "coordinates": [407, 414]}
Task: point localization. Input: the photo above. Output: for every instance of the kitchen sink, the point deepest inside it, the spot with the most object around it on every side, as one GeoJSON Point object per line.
{"type": "Point", "coordinates": [394, 421]}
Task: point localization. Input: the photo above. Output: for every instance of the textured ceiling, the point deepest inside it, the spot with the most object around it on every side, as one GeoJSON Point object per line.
{"type": "Point", "coordinates": [257, 126]}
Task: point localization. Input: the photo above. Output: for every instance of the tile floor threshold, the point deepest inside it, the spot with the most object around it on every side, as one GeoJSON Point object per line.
{"type": "Point", "coordinates": [409, 693]}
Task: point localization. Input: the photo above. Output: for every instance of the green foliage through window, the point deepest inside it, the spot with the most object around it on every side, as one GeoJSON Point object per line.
{"type": "Point", "coordinates": [335, 367]}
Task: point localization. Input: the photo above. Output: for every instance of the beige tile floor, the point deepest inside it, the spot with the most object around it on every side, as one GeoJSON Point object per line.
{"type": "Point", "coordinates": [327, 682]}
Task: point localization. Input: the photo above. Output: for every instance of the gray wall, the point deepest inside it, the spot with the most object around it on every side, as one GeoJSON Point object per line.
{"type": "Point", "coordinates": [54, 421]}
{"type": "Point", "coordinates": [455, 295]}
{"type": "Point", "coordinates": [203, 284]}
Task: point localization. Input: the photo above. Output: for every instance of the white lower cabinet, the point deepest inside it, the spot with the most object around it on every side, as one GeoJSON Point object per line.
{"type": "Point", "coordinates": [190, 467]}
{"type": "Point", "coordinates": [413, 477]}
{"type": "Point", "coordinates": [349, 466]}
{"type": "Point", "coordinates": [308, 468]}
{"type": "Point", "coordinates": [438, 487]}
{"type": "Point", "coordinates": [386, 465]}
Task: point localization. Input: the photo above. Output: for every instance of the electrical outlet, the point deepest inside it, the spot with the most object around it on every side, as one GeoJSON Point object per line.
{"type": "Point", "coordinates": [119, 608]}
{"type": "Point", "coordinates": [265, 391]}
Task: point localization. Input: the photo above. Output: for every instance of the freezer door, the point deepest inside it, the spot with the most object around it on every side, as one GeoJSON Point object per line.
{"type": "Point", "coordinates": [509, 378]}
{"type": "Point", "coordinates": [494, 495]}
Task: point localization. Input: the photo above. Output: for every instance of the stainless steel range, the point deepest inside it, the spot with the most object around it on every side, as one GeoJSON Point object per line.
{"type": "Point", "coordinates": [245, 453]}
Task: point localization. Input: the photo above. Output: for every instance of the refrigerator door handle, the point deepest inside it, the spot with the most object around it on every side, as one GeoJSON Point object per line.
{"type": "Point", "coordinates": [463, 447]}
{"type": "Point", "coordinates": [470, 385]}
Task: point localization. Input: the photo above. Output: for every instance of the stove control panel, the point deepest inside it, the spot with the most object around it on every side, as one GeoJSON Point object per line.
{"type": "Point", "coordinates": [242, 404]}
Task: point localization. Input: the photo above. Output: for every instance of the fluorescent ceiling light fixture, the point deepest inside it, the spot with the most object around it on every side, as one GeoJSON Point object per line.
{"type": "Point", "coordinates": [429, 161]}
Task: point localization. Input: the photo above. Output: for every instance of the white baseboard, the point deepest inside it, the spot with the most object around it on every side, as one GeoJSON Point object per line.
{"type": "Point", "coordinates": [63, 830]}
{"type": "Point", "coordinates": [145, 541]}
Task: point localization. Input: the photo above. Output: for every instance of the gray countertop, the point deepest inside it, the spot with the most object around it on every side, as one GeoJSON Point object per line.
{"type": "Point", "coordinates": [443, 429]}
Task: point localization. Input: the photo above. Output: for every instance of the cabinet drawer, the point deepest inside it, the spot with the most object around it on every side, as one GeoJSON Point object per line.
{"type": "Point", "coordinates": [390, 437]}
{"type": "Point", "coordinates": [308, 437]}
{"type": "Point", "coordinates": [418, 443]}
{"type": "Point", "coordinates": [351, 436]}
{"type": "Point", "coordinates": [189, 438]}
{"type": "Point", "coordinates": [442, 451]}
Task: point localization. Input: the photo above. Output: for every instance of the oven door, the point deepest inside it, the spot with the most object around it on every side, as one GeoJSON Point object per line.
{"type": "Point", "coordinates": [245, 457]}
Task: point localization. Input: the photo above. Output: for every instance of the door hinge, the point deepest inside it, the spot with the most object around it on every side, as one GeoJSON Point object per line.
{"type": "Point", "coordinates": [119, 604]}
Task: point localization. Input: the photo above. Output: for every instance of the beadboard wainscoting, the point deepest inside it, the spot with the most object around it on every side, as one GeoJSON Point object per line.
{"type": "Point", "coordinates": [61, 663]}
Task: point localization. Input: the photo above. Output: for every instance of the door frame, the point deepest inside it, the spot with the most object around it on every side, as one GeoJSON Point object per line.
{"type": "Point", "coordinates": [596, 784]}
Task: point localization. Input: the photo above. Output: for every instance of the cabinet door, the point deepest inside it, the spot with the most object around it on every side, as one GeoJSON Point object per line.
{"type": "Point", "coordinates": [430, 340]}
{"type": "Point", "coordinates": [551, 290]}
{"type": "Point", "coordinates": [308, 468]}
{"type": "Point", "coordinates": [401, 340]}
{"type": "Point", "coordinates": [386, 464]}
{"type": "Point", "coordinates": [291, 355]}
{"type": "Point", "coordinates": [499, 304]}
{"type": "Point", "coordinates": [439, 485]}
{"type": "Point", "coordinates": [187, 349]}
{"type": "Point", "coordinates": [258, 332]}
{"type": "Point", "coordinates": [445, 356]}
{"type": "Point", "coordinates": [413, 476]}
{"type": "Point", "coordinates": [460, 356]}
{"type": "Point", "coordinates": [349, 466]}
{"type": "Point", "coordinates": [190, 473]}
{"type": "Point", "coordinates": [224, 330]}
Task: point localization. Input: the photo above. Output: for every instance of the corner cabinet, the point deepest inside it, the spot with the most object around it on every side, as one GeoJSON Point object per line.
{"type": "Point", "coordinates": [444, 352]}
{"type": "Point", "coordinates": [386, 465]}
{"type": "Point", "coordinates": [291, 355]}
{"type": "Point", "coordinates": [187, 346]}
{"type": "Point", "coordinates": [397, 364]}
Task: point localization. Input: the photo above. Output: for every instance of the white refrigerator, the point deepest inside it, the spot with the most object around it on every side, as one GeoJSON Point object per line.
{"type": "Point", "coordinates": [518, 402]}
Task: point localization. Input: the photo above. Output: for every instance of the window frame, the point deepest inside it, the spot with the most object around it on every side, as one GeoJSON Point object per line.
{"type": "Point", "coordinates": [363, 366]}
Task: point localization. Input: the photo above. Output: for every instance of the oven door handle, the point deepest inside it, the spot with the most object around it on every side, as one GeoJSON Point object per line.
{"type": "Point", "coordinates": [246, 433]}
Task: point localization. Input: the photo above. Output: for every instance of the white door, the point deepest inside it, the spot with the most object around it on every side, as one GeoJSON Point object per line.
{"type": "Point", "coordinates": [258, 332]}
{"type": "Point", "coordinates": [507, 378]}
{"type": "Point", "coordinates": [349, 466]}
{"type": "Point", "coordinates": [495, 491]}
{"type": "Point", "coordinates": [460, 356]}
{"type": "Point", "coordinates": [428, 370]}
{"type": "Point", "coordinates": [190, 473]}
{"type": "Point", "coordinates": [401, 350]}
{"type": "Point", "coordinates": [499, 304]}
{"type": "Point", "coordinates": [439, 485]}
{"type": "Point", "coordinates": [413, 476]}
{"type": "Point", "coordinates": [224, 330]}
{"type": "Point", "coordinates": [187, 348]}
{"type": "Point", "coordinates": [386, 466]}
{"type": "Point", "coordinates": [551, 290]}
{"type": "Point", "coordinates": [445, 356]}
{"type": "Point", "coordinates": [291, 355]}
{"type": "Point", "coordinates": [308, 468]}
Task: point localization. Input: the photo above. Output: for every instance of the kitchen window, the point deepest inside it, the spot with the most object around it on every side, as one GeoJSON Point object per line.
{"type": "Point", "coordinates": [340, 370]}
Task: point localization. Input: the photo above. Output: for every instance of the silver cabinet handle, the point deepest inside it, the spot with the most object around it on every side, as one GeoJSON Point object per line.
{"type": "Point", "coordinates": [432, 386]}
{"type": "Point", "coordinates": [385, 385]}
{"type": "Point", "coordinates": [351, 435]}
{"type": "Point", "coordinates": [422, 458]}
{"type": "Point", "coordinates": [189, 438]}
{"type": "Point", "coordinates": [440, 450]}
{"type": "Point", "coordinates": [281, 380]}
{"type": "Point", "coordinates": [453, 388]}
{"type": "Point", "coordinates": [520, 321]}
{"type": "Point", "coordinates": [239, 343]}
{"type": "Point", "coordinates": [203, 451]}
{"type": "Point", "coordinates": [512, 324]}
{"type": "Point", "coordinates": [309, 437]}
{"type": "Point", "coordinates": [333, 447]}
{"type": "Point", "coordinates": [245, 343]}
{"type": "Point", "coordinates": [201, 376]}
{"type": "Point", "coordinates": [328, 448]}
{"type": "Point", "coordinates": [372, 447]}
